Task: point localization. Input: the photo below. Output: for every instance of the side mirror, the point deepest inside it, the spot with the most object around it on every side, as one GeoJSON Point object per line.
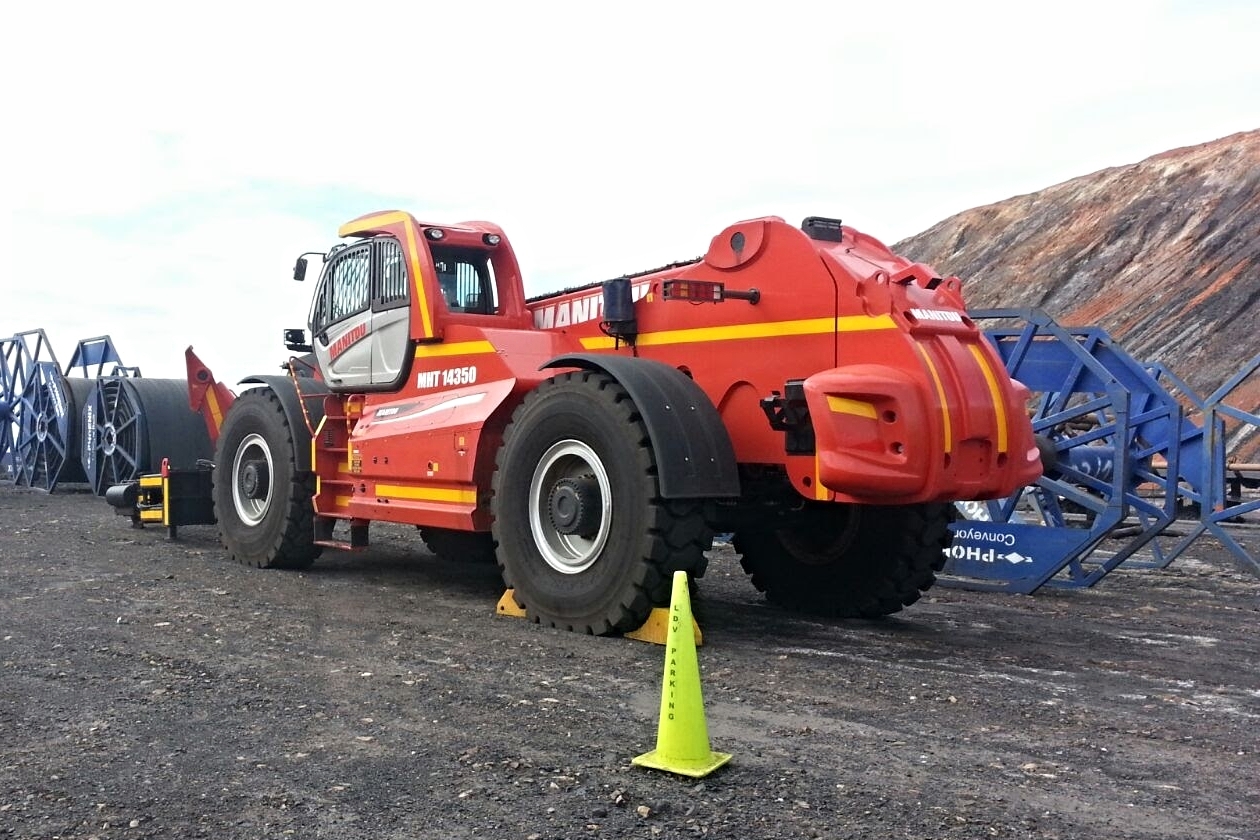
{"type": "Point", "coordinates": [299, 271]}
{"type": "Point", "coordinates": [295, 339]}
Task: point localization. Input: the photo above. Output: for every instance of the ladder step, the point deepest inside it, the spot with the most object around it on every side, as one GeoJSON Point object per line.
{"type": "Point", "coordinates": [340, 545]}
{"type": "Point", "coordinates": [324, 529]}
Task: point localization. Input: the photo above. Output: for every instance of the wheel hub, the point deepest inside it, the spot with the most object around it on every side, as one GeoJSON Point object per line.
{"type": "Point", "coordinates": [574, 506]}
{"type": "Point", "coordinates": [254, 480]}
{"type": "Point", "coordinates": [251, 480]}
{"type": "Point", "coordinates": [109, 439]}
{"type": "Point", "coordinates": [570, 507]}
{"type": "Point", "coordinates": [41, 428]}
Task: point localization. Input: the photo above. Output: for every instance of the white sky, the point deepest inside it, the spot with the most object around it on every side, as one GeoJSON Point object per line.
{"type": "Point", "coordinates": [161, 165]}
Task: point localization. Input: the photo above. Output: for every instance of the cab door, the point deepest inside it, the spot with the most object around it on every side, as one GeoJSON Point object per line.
{"type": "Point", "coordinates": [341, 319]}
{"type": "Point", "coordinates": [391, 322]}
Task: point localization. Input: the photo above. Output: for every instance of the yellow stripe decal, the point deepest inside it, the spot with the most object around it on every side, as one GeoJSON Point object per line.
{"type": "Point", "coordinates": [371, 223]}
{"type": "Point", "coordinates": [314, 439]}
{"type": "Point", "coordinates": [999, 408]}
{"type": "Point", "coordinates": [428, 494]}
{"type": "Point", "coordinates": [380, 220]}
{"type": "Point", "coordinates": [821, 493]}
{"type": "Point", "coordinates": [773, 329]}
{"type": "Point", "coordinates": [844, 405]}
{"type": "Point", "coordinates": [459, 348]}
{"type": "Point", "coordinates": [413, 257]}
{"type": "Point", "coordinates": [212, 402]}
{"type": "Point", "coordinates": [940, 396]}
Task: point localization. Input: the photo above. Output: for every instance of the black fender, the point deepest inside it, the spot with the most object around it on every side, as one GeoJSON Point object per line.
{"type": "Point", "coordinates": [694, 455]}
{"type": "Point", "coordinates": [287, 391]}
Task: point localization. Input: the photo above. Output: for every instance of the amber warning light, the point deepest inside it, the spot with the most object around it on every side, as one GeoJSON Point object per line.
{"type": "Point", "coordinates": [704, 291]}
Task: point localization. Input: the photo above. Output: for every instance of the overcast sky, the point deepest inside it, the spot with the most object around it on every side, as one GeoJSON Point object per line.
{"type": "Point", "coordinates": [163, 164]}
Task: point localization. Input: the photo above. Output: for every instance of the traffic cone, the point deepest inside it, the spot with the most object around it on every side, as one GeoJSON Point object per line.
{"type": "Point", "coordinates": [682, 738]}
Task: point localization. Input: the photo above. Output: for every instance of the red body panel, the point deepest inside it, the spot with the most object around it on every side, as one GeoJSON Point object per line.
{"type": "Point", "coordinates": [908, 401]}
{"type": "Point", "coordinates": [206, 395]}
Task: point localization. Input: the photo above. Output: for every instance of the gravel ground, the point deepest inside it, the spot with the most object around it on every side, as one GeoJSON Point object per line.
{"type": "Point", "coordinates": [151, 688]}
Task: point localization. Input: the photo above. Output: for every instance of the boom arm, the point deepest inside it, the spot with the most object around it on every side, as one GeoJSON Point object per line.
{"type": "Point", "coordinates": [206, 395]}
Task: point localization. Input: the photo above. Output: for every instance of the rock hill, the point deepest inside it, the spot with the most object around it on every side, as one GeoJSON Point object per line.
{"type": "Point", "coordinates": [1164, 254]}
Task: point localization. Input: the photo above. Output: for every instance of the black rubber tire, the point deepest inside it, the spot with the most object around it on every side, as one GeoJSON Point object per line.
{"type": "Point", "coordinates": [460, 546]}
{"type": "Point", "coordinates": [276, 531]}
{"type": "Point", "coordinates": [851, 561]}
{"type": "Point", "coordinates": [609, 581]}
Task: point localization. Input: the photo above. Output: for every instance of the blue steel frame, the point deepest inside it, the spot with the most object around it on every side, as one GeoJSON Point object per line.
{"type": "Point", "coordinates": [19, 353]}
{"type": "Point", "coordinates": [45, 453]}
{"type": "Point", "coordinates": [1108, 418]}
{"type": "Point", "coordinates": [96, 353]}
{"type": "Point", "coordinates": [1215, 514]}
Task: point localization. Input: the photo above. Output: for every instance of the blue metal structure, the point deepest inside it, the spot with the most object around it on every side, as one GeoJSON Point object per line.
{"type": "Point", "coordinates": [47, 450]}
{"type": "Point", "coordinates": [91, 355]}
{"type": "Point", "coordinates": [6, 410]}
{"type": "Point", "coordinates": [1122, 450]}
{"type": "Point", "coordinates": [19, 353]}
{"type": "Point", "coordinates": [1216, 513]}
{"type": "Point", "coordinates": [45, 405]}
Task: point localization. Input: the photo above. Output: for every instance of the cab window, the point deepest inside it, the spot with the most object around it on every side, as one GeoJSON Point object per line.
{"type": "Point", "coordinates": [392, 283]}
{"type": "Point", "coordinates": [350, 285]}
{"type": "Point", "coordinates": [466, 277]}
{"type": "Point", "coordinates": [344, 289]}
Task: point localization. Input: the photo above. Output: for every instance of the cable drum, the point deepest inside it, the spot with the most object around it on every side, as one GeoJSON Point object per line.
{"type": "Point", "coordinates": [47, 446]}
{"type": "Point", "coordinates": [131, 424]}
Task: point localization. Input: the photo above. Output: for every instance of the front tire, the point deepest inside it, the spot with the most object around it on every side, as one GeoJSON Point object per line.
{"type": "Point", "coordinates": [584, 538]}
{"type": "Point", "coordinates": [849, 561]}
{"type": "Point", "coordinates": [261, 500]}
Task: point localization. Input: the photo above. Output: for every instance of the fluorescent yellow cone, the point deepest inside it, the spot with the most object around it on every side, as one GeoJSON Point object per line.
{"type": "Point", "coordinates": [682, 738]}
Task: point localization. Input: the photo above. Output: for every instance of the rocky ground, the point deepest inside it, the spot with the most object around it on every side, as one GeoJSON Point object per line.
{"type": "Point", "coordinates": [154, 689]}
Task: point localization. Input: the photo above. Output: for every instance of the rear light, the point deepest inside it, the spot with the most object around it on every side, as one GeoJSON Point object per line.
{"type": "Point", "coordinates": [705, 291]}
{"type": "Point", "coordinates": [699, 291]}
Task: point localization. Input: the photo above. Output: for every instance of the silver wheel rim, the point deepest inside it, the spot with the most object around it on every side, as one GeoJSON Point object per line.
{"type": "Point", "coordinates": [568, 554]}
{"type": "Point", "coordinates": [251, 510]}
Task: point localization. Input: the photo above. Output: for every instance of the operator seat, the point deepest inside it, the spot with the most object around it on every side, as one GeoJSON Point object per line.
{"type": "Point", "coordinates": [449, 293]}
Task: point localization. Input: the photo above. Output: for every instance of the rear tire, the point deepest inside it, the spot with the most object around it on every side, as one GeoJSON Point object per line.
{"type": "Point", "coordinates": [852, 561]}
{"type": "Point", "coordinates": [584, 538]}
{"type": "Point", "coordinates": [261, 500]}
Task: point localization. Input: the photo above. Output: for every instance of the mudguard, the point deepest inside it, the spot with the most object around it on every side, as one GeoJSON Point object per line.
{"type": "Point", "coordinates": [694, 455]}
{"type": "Point", "coordinates": [286, 390]}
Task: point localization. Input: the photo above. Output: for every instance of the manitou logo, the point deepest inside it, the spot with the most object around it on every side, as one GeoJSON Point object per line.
{"type": "Point", "coordinates": [342, 344]}
{"type": "Point", "coordinates": [936, 315]}
{"type": "Point", "coordinates": [580, 309]}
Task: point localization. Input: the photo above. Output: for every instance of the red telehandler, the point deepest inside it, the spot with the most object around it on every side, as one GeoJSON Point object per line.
{"type": "Point", "coordinates": [805, 389]}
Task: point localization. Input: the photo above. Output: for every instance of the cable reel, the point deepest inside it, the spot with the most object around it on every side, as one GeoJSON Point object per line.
{"type": "Point", "coordinates": [47, 450]}
{"type": "Point", "coordinates": [19, 354]}
{"type": "Point", "coordinates": [131, 424]}
{"type": "Point", "coordinates": [1117, 444]}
